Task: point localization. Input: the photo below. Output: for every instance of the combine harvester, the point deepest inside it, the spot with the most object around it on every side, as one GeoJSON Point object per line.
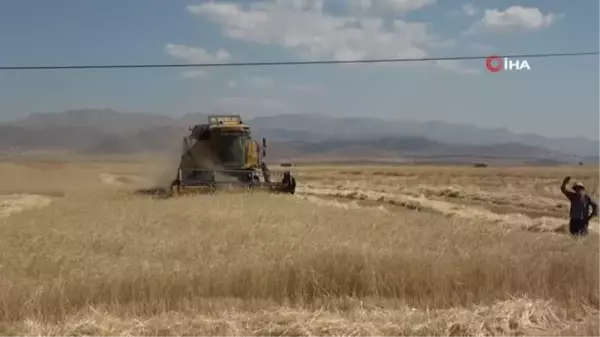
{"type": "Point", "coordinates": [222, 155]}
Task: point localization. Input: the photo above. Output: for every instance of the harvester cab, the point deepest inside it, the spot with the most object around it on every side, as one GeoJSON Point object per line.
{"type": "Point", "coordinates": [223, 155]}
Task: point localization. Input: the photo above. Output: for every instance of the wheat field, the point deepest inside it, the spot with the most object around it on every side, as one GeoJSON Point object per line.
{"type": "Point", "coordinates": [361, 250]}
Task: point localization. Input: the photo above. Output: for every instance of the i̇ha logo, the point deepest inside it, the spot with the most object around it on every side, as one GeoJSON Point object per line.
{"type": "Point", "coordinates": [495, 64]}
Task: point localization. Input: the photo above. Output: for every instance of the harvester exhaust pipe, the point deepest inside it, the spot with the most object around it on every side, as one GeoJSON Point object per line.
{"type": "Point", "coordinates": [264, 147]}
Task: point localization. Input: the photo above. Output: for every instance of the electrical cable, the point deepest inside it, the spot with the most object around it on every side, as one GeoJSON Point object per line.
{"type": "Point", "coordinates": [289, 63]}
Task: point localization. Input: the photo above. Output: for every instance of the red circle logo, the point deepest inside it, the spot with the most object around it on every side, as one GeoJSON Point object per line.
{"type": "Point", "coordinates": [493, 64]}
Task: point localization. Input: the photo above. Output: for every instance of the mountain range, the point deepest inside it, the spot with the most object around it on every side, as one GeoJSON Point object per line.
{"type": "Point", "coordinates": [292, 137]}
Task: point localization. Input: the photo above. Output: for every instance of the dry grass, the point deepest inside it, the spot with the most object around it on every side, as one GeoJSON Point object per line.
{"type": "Point", "coordinates": [100, 261]}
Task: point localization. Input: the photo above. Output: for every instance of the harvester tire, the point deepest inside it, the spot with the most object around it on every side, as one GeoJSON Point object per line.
{"type": "Point", "coordinates": [290, 182]}
{"type": "Point", "coordinates": [292, 185]}
{"type": "Point", "coordinates": [175, 187]}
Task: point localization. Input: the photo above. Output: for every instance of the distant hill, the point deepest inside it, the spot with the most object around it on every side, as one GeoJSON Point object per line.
{"type": "Point", "coordinates": [97, 131]}
{"type": "Point", "coordinates": [291, 136]}
{"type": "Point", "coordinates": [320, 127]}
{"type": "Point", "coordinates": [420, 147]}
{"type": "Point", "coordinates": [57, 137]}
{"type": "Point", "coordinates": [107, 121]}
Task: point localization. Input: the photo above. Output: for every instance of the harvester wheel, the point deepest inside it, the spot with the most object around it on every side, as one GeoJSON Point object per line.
{"type": "Point", "coordinates": [290, 182]}
{"type": "Point", "coordinates": [176, 187]}
{"type": "Point", "coordinates": [292, 186]}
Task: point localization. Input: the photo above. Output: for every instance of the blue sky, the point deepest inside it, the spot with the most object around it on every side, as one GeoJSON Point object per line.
{"type": "Point", "coordinates": [557, 97]}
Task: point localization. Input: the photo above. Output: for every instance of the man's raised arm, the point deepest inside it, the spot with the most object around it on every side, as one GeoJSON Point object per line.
{"type": "Point", "coordinates": [563, 187]}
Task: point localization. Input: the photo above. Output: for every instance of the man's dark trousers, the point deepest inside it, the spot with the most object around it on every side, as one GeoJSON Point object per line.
{"type": "Point", "coordinates": [578, 226]}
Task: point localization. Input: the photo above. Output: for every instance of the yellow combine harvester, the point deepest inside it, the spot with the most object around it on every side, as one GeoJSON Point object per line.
{"type": "Point", "coordinates": [222, 155]}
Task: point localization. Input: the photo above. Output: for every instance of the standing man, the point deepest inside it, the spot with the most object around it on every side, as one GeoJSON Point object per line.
{"type": "Point", "coordinates": [580, 207]}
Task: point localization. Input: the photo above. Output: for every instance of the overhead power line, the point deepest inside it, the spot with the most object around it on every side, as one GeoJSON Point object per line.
{"type": "Point", "coordinates": [289, 63]}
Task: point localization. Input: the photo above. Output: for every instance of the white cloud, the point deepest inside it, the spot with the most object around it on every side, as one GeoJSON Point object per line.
{"type": "Point", "coordinates": [303, 28]}
{"type": "Point", "coordinates": [514, 18]}
{"type": "Point", "coordinates": [469, 9]}
{"type": "Point", "coordinates": [309, 5]}
{"type": "Point", "coordinates": [384, 7]}
{"type": "Point", "coordinates": [196, 55]}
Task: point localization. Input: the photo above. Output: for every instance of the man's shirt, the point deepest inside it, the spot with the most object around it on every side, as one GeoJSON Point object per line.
{"type": "Point", "coordinates": [580, 205]}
